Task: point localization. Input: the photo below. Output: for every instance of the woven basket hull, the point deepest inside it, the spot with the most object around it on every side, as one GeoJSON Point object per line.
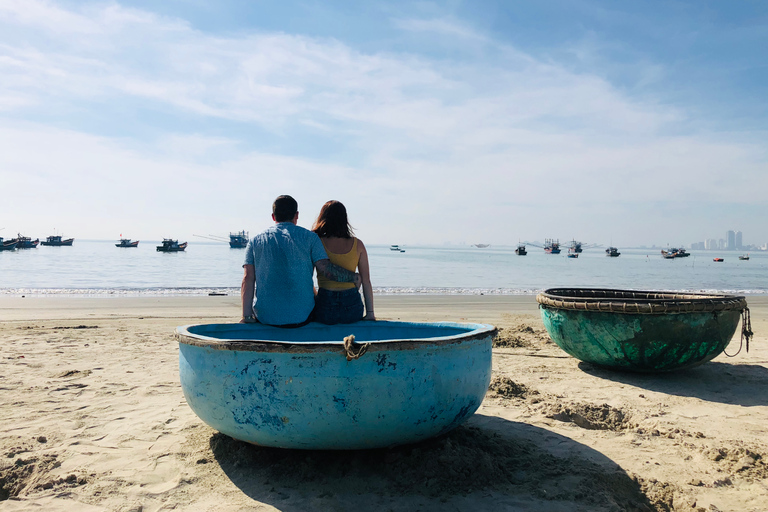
{"type": "Point", "coordinates": [640, 342]}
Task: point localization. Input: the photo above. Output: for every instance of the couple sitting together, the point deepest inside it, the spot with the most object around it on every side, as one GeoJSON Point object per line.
{"type": "Point", "coordinates": [279, 265]}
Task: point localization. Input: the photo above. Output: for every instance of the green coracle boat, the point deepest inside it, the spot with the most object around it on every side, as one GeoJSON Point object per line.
{"type": "Point", "coordinates": [642, 331]}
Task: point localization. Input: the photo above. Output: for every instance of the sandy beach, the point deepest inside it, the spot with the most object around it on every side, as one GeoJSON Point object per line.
{"type": "Point", "coordinates": [94, 419]}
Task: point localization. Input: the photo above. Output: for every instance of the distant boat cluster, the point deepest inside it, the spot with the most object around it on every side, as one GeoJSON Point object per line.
{"type": "Point", "coordinates": [237, 240]}
{"type": "Point", "coordinates": [25, 242]}
{"type": "Point", "coordinates": [552, 246]}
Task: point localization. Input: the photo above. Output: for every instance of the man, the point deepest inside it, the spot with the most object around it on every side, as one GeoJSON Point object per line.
{"type": "Point", "coordinates": [279, 264]}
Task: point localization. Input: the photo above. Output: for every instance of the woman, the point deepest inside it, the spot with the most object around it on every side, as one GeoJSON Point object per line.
{"type": "Point", "coordinates": [339, 303]}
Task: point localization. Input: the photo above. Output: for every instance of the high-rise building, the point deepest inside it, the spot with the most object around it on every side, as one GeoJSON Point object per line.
{"type": "Point", "coordinates": [730, 240]}
{"type": "Point", "coordinates": [739, 244]}
{"type": "Point", "coordinates": [710, 244]}
{"type": "Point", "coordinates": [721, 244]}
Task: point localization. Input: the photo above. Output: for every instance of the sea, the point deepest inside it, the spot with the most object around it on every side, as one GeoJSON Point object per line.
{"type": "Point", "coordinates": [98, 268]}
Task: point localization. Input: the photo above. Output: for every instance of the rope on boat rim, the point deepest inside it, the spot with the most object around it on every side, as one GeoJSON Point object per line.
{"type": "Point", "coordinates": [354, 350]}
{"type": "Point", "coordinates": [638, 302]}
{"type": "Point", "coordinates": [746, 332]}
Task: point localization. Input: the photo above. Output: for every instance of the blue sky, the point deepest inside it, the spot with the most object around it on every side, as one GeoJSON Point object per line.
{"type": "Point", "coordinates": [493, 122]}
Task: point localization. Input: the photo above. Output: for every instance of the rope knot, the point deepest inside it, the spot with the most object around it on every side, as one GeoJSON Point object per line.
{"type": "Point", "coordinates": [354, 350]}
{"type": "Point", "coordinates": [746, 331]}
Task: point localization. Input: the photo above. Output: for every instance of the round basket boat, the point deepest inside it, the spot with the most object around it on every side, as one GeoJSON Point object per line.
{"type": "Point", "coordinates": [641, 331]}
{"type": "Point", "coordinates": [310, 388]}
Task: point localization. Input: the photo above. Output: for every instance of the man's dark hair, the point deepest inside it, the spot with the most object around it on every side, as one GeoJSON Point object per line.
{"type": "Point", "coordinates": [284, 208]}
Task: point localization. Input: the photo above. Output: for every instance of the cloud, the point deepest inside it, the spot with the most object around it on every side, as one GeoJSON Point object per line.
{"type": "Point", "coordinates": [443, 27]}
{"type": "Point", "coordinates": [421, 149]}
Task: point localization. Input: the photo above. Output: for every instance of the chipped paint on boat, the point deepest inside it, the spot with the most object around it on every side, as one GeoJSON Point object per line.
{"type": "Point", "coordinates": [295, 388]}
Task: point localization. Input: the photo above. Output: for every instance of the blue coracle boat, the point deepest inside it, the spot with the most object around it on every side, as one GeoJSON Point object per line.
{"type": "Point", "coordinates": [310, 388]}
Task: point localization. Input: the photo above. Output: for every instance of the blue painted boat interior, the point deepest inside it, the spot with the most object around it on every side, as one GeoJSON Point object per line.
{"type": "Point", "coordinates": [319, 333]}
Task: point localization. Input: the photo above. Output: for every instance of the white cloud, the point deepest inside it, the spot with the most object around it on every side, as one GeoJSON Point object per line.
{"type": "Point", "coordinates": [440, 147]}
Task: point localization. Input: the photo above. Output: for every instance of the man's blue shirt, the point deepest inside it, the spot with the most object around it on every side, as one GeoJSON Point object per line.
{"type": "Point", "coordinates": [284, 258]}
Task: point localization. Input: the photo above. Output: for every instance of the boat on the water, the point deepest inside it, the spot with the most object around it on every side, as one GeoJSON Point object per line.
{"type": "Point", "coordinates": [719, 260]}
{"type": "Point", "coordinates": [25, 242]}
{"type": "Point", "coordinates": [335, 387]}
{"type": "Point", "coordinates": [7, 245]}
{"type": "Point", "coordinates": [481, 246]}
{"type": "Point", "coordinates": [238, 240]}
{"type": "Point", "coordinates": [573, 255]}
{"type": "Point", "coordinates": [641, 331]}
{"type": "Point", "coordinates": [551, 246]}
{"type": "Point", "coordinates": [520, 251]}
{"type": "Point", "coordinates": [674, 253]}
{"type": "Point", "coordinates": [744, 257]}
{"type": "Point", "coordinates": [612, 252]}
{"type": "Point", "coordinates": [126, 242]}
{"type": "Point", "coordinates": [57, 241]}
{"type": "Point", "coordinates": [394, 247]}
{"type": "Point", "coordinates": [170, 245]}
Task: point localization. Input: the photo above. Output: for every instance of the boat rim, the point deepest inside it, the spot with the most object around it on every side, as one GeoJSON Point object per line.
{"type": "Point", "coordinates": [479, 331]}
{"type": "Point", "coordinates": [638, 301]}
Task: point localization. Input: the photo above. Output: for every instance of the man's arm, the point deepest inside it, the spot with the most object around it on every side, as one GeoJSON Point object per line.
{"type": "Point", "coordinates": [337, 273]}
{"type": "Point", "coordinates": [246, 292]}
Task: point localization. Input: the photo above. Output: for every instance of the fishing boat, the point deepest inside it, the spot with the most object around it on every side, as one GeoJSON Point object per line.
{"type": "Point", "coordinates": [238, 240]}
{"type": "Point", "coordinates": [551, 246]}
{"type": "Point", "coordinates": [56, 241]}
{"type": "Point", "coordinates": [25, 242]}
{"type": "Point", "coordinates": [170, 245]}
{"type": "Point", "coordinates": [481, 246]}
{"type": "Point", "coordinates": [126, 242]}
{"type": "Point", "coordinates": [573, 255]}
{"type": "Point", "coordinates": [335, 387]}
{"type": "Point", "coordinates": [744, 257]}
{"type": "Point", "coordinates": [642, 331]}
{"type": "Point", "coordinates": [394, 247]}
{"type": "Point", "coordinates": [520, 251]}
{"type": "Point", "coordinates": [674, 253]}
{"type": "Point", "coordinates": [612, 252]}
{"type": "Point", "coordinates": [7, 245]}
{"type": "Point", "coordinates": [718, 260]}
{"type": "Point", "coordinates": [575, 246]}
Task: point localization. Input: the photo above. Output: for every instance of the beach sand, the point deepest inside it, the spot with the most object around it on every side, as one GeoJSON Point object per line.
{"type": "Point", "coordinates": [93, 418]}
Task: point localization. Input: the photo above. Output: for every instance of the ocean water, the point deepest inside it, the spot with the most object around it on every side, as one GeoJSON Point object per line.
{"type": "Point", "coordinates": [96, 268]}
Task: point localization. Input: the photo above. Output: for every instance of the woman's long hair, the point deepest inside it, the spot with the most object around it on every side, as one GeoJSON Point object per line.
{"type": "Point", "coordinates": [332, 221]}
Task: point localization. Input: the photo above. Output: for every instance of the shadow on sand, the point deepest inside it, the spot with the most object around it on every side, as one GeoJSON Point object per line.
{"type": "Point", "coordinates": [713, 381]}
{"type": "Point", "coordinates": [488, 464]}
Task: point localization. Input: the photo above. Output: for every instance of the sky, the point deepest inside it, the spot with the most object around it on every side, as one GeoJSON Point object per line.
{"type": "Point", "coordinates": [612, 122]}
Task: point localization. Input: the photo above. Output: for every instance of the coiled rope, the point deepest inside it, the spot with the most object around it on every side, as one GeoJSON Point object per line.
{"type": "Point", "coordinates": [746, 332]}
{"type": "Point", "coordinates": [354, 350]}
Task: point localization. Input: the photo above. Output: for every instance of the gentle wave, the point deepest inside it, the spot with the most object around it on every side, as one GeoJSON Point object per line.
{"type": "Point", "coordinates": [391, 290]}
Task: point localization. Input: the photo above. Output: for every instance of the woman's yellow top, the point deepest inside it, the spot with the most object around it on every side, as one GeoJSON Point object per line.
{"type": "Point", "coordinates": [347, 261]}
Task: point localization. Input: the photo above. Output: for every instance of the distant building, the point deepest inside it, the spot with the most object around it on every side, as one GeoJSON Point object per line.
{"type": "Point", "coordinates": [730, 240]}
{"type": "Point", "coordinates": [739, 245]}
{"type": "Point", "coordinates": [697, 246]}
{"type": "Point", "coordinates": [721, 244]}
{"type": "Point", "coordinates": [710, 244]}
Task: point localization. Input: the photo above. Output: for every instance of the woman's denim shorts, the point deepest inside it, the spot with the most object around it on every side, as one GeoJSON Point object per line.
{"type": "Point", "coordinates": [338, 306]}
